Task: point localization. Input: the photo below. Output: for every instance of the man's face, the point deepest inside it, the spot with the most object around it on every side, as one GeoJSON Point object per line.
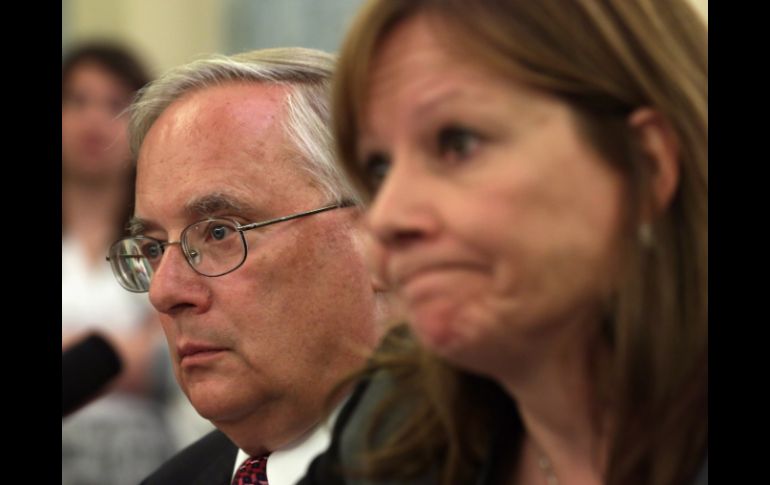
{"type": "Point", "coordinates": [256, 350]}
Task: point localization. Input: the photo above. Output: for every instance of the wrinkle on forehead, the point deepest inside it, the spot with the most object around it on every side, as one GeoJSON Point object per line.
{"type": "Point", "coordinates": [417, 73]}
{"type": "Point", "coordinates": [238, 109]}
{"type": "Point", "coordinates": [409, 71]}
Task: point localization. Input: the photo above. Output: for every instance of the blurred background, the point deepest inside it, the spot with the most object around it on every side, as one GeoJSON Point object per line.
{"type": "Point", "coordinates": [170, 32]}
{"type": "Point", "coordinates": [145, 418]}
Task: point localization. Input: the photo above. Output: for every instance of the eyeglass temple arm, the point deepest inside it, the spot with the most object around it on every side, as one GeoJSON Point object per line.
{"type": "Point", "coordinates": [345, 203]}
{"type": "Point", "coordinates": [126, 256]}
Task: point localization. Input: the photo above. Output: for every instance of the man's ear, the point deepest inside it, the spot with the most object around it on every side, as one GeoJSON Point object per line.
{"type": "Point", "coordinates": [661, 150]}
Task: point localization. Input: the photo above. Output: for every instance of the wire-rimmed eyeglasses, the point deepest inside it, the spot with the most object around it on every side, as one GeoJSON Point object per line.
{"type": "Point", "coordinates": [213, 247]}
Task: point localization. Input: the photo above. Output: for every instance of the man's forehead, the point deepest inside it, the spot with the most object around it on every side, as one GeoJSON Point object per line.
{"type": "Point", "coordinates": [195, 164]}
{"type": "Point", "coordinates": [217, 125]}
{"type": "Point", "coordinates": [229, 101]}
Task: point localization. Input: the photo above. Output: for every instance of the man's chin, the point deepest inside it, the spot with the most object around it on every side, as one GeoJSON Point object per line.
{"type": "Point", "coordinates": [212, 402]}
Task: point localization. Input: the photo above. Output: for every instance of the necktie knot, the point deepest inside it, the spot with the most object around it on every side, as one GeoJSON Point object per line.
{"type": "Point", "coordinates": [252, 472]}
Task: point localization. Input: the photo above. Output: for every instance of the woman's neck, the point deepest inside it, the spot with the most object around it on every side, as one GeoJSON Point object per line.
{"type": "Point", "coordinates": [565, 428]}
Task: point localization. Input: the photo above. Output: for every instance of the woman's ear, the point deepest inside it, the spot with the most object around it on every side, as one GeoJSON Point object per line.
{"type": "Point", "coordinates": [661, 149]}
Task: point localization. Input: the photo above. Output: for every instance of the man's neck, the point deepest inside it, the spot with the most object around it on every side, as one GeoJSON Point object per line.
{"type": "Point", "coordinates": [286, 465]}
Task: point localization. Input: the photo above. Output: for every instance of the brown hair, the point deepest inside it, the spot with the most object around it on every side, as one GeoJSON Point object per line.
{"type": "Point", "coordinates": [605, 58]}
{"type": "Point", "coordinates": [114, 58]}
{"type": "Point", "coordinates": [129, 71]}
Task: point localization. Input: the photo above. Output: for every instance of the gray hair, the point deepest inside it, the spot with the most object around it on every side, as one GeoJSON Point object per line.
{"type": "Point", "coordinates": [307, 124]}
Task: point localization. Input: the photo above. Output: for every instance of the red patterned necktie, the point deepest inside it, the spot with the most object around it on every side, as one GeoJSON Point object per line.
{"type": "Point", "coordinates": [252, 472]}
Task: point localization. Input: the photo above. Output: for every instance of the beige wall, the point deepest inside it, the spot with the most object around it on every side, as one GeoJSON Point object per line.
{"type": "Point", "coordinates": [702, 6]}
{"type": "Point", "coordinates": [164, 32]}
{"type": "Point", "coordinates": [168, 32]}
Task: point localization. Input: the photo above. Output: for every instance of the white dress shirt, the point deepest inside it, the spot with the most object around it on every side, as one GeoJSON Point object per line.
{"type": "Point", "coordinates": [287, 465]}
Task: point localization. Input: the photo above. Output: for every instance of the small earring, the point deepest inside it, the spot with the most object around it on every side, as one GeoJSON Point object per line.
{"type": "Point", "coordinates": [644, 234]}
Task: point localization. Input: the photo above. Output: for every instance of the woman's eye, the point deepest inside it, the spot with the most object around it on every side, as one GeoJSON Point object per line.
{"type": "Point", "coordinates": [376, 169]}
{"type": "Point", "coordinates": [116, 107]}
{"type": "Point", "coordinates": [75, 100]}
{"type": "Point", "coordinates": [457, 144]}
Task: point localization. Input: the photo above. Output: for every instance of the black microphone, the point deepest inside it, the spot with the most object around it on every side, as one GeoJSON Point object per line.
{"type": "Point", "coordinates": [86, 368]}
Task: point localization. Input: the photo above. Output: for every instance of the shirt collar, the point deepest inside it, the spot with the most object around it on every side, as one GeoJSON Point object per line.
{"type": "Point", "coordinates": [287, 465]}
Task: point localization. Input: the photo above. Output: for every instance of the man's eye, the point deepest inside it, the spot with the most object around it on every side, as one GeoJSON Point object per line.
{"type": "Point", "coordinates": [152, 250]}
{"type": "Point", "coordinates": [218, 232]}
{"type": "Point", "coordinates": [75, 100]}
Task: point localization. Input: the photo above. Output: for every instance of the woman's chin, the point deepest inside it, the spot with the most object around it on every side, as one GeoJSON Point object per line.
{"type": "Point", "coordinates": [435, 324]}
{"type": "Point", "coordinates": [462, 334]}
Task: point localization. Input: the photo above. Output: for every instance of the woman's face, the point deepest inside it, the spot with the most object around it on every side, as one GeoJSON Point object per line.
{"type": "Point", "coordinates": [495, 221]}
{"type": "Point", "coordinates": [94, 138]}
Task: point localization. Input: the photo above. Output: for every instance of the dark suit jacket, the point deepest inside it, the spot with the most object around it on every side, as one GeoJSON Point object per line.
{"type": "Point", "coordinates": [208, 461]}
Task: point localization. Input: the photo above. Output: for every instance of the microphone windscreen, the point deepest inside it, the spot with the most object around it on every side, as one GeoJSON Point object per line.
{"type": "Point", "coordinates": [86, 368]}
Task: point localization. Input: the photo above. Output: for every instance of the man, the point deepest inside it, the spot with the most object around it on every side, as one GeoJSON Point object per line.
{"type": "Point", "coordinates": [262, 320]}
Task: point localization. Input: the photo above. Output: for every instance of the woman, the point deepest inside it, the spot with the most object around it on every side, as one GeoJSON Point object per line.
{"type": "Point", "coordinates": [539, 182]}
{"type": "Point", "coordinates": [123, 436]}
{"type": "Point", "coordinates": [98, 82]}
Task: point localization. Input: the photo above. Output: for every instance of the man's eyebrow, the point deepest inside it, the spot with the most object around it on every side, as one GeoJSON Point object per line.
{"type": "Point", "coordinates": [212, 204]}
{"type": "Point", "coordinates": [204, 206]}
{"type": "Point", "coordinates": [136, 226]}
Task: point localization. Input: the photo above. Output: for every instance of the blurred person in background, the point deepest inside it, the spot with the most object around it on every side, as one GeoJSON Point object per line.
{"type": "Point", "coordinates": [538, 176]}
{"type": "Point", "coordinates": [119, 438]}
